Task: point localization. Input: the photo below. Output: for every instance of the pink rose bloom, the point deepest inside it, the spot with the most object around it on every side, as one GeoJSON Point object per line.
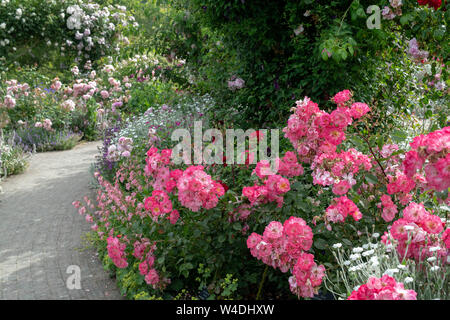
{"type": "Point", "coordinates": [273, 231]}
{"type": "Point", "coordinates": [152, 277]}
{"type": "Point", "coordinates": [174, 216]}
{"type": "Point", "coordinates": [56, 85]}
{"type": "Point", "coordinates": [104, 94]}
{"type": "Point", "coordinates": [433, 224]}
{"type": "Point", "coordinates": [389, 213]}
{"type": "Point", "coordinates": [9, 101]}
{"type": "Point", "coordinates": [341, 188]}
{"type": "Point", "coordinates": [446, 238]}
{"type": "Point", "coordinates": [415, 212]}
{"type": "Point", "coordinates": [342, 97]}
{"type": "Point", "coordinates": [143, 268]}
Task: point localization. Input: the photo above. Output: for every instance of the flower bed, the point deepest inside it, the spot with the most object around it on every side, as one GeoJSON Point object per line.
{"type": "Point", "coordinates": [158, 224]}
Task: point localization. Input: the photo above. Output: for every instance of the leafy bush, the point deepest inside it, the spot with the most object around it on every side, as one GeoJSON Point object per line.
{"type": "Point", "coordinates": [41, 140]}
{"type": "Point", "coordinates": [155, 124]}
{"type": "Point", "coordinates": [284, 50]}
{"type": "Point", "coordinates": [13, 159]}
{"type": "Point", "coordinates": [56, 32]}
{"type": "Point", "coordinates": [156, 226]}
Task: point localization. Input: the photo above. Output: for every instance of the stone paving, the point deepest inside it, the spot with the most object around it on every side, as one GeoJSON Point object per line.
{"type": "Point", "coordinates": [41, 232]}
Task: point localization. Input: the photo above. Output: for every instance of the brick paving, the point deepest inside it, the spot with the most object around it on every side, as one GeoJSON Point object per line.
{"type": "Point", "coordinates": [41, 232]}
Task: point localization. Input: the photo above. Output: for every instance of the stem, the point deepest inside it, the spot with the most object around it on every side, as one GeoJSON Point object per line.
{"type": "Point", "coordinates": [343, 17]}
{"type": "Point", "coordinates": [372, 152]}
{"type": "Point", "coordinates": [261, 283]}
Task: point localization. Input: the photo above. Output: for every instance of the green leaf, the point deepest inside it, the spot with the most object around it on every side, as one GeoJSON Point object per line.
{"type": "Point", "coordinates": [404, 19]}
{"type": "Point", "coordinates": [237, 226]}
{"type": "Point", "coordinates": [398, 136]}
{"type": "Point", "coordinates": [177, 285]}
{"type": "Point", "coordinates": [442, 194]}
{"type": "Point", "coordinates": [324, 55]}
{"type": "Point", "coordinates": [320, 244]}
{"type": "Point", "coordinates": [350, 49]}
{"type": "Point", "coordinates": [347, 242]}
{"type": "Point", "coordinates": [360, 13]}
{"type": "Point", "coordinates": [186, 266]}
{"type": "Point", "coordinates": [371, 178]}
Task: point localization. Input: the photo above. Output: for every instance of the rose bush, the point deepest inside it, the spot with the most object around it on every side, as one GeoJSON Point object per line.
{"type": "Point", "coordinates": [164, 220]}
{"type": "Point", "coordinates": [44, 31]}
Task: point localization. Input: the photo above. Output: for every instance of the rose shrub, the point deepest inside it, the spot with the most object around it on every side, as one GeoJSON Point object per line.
{"type": "Point", "coordinates": [34, 31]}
{"type": "Point", "coordinates": [164, 220]}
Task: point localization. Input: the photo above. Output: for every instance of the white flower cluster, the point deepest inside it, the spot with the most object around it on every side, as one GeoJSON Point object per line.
{"type": "Point", "coordinates": [89, 29]}
{"type": "Point", "coordinates": [376, 260]}
{"type": "Point", "coordinates": [163, 116]}
{"type": "Point", "coordinates": [74, 20]}
{"type": "Point", "coordinates": [94, 27]}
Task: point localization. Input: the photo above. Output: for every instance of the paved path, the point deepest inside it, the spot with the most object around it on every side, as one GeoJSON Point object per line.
{"type": "Point", "coordinates": [40, 230]}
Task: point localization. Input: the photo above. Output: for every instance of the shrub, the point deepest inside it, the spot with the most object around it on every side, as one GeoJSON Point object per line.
{"type": "Point", "coordinates": [56, 32]}
{"type": "Point", "coordinates": [13, 159]}
{"type": "Point", "coordinates": [41, 140]}
{"type": "Point", "coordinates": [284, 50]}
{"type": "Point", "coordinates": [159, 220]}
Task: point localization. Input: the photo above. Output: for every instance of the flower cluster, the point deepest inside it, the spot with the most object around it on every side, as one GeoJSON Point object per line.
{"type": "Point", "coordinates": [396, 10]}
{"type": "Point", "coordinates": [146, 266]}
{"type": "Point", "coordinates": [147, 270]}
{"type": "Point", "coordinates": [339, 169]}
{"type": "Point", "coordinates": [288, 165]}
{"type": "Point", "coordinates": [116, 251]}
{"type": "Point", "coordinates": [272, 189]}
{"type": "Point", "coordinates": [46, 124]}
{"type": "Point", "coordinates": [283, 246]}
{"type": "Point", "coordinates": [196, 189]}
{"type": "Point", "coordinates": [414, 51]}
{"type": "Point", "coordinates": [417, 233]}
{"type": "Point", "coordinates": [9, 102]}
{"type": "Point", "coordinates": [158, 204]}
{"type": "Point", "coordinates": [14, 90]}
{"type": "Point", "coordinates": [400, 184]}
{"type": "Point", "coordinates": [436, 4]}
{"type": "Point", "coordinates": [302, 130]}
{"type": "Point", "coordinates": [237, 83]}
{"type": "Point", "coordinates": [123, 148]}
{"type": "Point", "coordinates": [384, 288]}
{"type": "Point", "coordinates": [68, 105]}
{"type": "Point", "coordinates": [156, 160]}
{"type": "Point", "coordinates": [340, 208]}
{"type": "Point", "coordinates": [307, 276]}
{"type": "Point", "coordinates": [389, 208]}
{"type": "Point", "coordinates": [342, 97]}
{"type": "Point", "coordinates": [313, 131]}
{"type": "Point", "coordinates": [273, 185]}
{"type": "Point", "coordinates": [433, 152]}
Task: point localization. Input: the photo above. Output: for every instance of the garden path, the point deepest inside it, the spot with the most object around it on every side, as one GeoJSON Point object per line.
{"type": "Point", "coordinates": [40, 230]}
